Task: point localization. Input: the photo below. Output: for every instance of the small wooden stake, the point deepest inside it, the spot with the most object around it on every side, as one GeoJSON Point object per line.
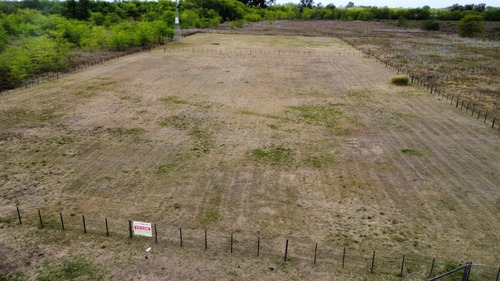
{"type": "Point", "coordinates": [286, 250]}
{"type": "Point", "coordinates": [62, 221]}
{"type": "Point", "coordinates": [343, 258]}
{"type": "Point", "coordinates": [258, 245]}
{"type": "Point", "coordinates": [432, 266]}
{"type": "Point", "coordinates": [180, 234]}
{"type": "Point", "coordinates": [19, 215]}
{"type": "Point", "coordinates": [156, 235]}
{"type": "Point", "coordinates": [315, 252]}
{"type": "Point", "coordinates": [373, 261]}
{"type": "Point", "coordinates": [40, 217]}
{"type": "Point", "coordinates": [402, 266]}
{"type": "Point", "coordinates": [231, 242]}
{"type": "Point", "coordinates": [84, 226]}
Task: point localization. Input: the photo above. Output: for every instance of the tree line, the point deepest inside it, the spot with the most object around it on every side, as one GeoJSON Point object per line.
{"type": "Point", "coordinates": [38, 36]}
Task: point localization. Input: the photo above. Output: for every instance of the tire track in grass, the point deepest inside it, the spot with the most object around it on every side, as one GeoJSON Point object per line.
{"type": "Point", "coordinates": [442, 166]}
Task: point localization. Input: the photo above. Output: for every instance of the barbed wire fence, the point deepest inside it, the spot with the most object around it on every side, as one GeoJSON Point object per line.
{"type": "Point", "coordinates": [297, 250]}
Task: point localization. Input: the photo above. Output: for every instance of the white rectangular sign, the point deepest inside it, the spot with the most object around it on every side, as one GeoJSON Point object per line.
{"type": "Point", "coordinates": [142, 228]}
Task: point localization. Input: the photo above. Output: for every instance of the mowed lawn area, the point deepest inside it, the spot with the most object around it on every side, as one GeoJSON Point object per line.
{"type": "Point", "coordinates": [265, 137]}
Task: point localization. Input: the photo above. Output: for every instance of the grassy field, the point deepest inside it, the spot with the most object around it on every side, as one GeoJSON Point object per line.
{"type": "Point", "coordinates": [465, 67]}
{"type": "Point", "coordinates": [276, 137]}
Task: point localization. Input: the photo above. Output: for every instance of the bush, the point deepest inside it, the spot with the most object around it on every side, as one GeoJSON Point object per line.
{"type": "Point", "coordinates": [400, 80]}
{"type": "Point", "coordinates": [470, 26]}
{"type": "Point", "coordinates": [236, 23]}
{"type": "Point", "coordinates": [430, 25]}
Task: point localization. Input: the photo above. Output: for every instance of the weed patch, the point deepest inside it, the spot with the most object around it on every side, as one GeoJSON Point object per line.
{"type": "Point", "coordinates": [173, 99]}
{"type": "Point", "coordinates": [409, 151]}
{"type": "Point", "coordinates": [70, 268]}
{"type": "Point", "coordinates": [328, 115]}
{"type": "Point", "coordinates": [273, 155]}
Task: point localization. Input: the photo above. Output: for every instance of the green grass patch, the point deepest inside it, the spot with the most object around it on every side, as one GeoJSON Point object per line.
{"type": "Point", "coordinates": [181, 122]}
{"type": "Point", "coordinates": [123, 131]}
{"type": "Point", "coordinates": [409, 151]}
{"type": "Point", "coordinates": [273, 155]}
{"type": "Point", "coordinates": [326, 115]}
{"type": "Point", "coordinates": [18, 116]}
{"type": "Point", "coordinates": [174, 99]}
{"type": "Point", "coordinates": [70, 268]}
{"type": "Point", "coordinates": [319, 161]}
{"type": "Point", "coordinates": [273, 126]}
{"type": "Point", "coordinates": [211, 214]}
{"type": "Point", "coordinates": [246, 112]}
{"type": "Point", "coordinates": [360, 95]}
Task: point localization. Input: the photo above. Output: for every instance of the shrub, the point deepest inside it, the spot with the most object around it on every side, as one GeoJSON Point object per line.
{"type": "Point", "coordinates": [400, 80]}
{"type": "Point", "coordinates": [430, 25]}
{"type": "Point", "coordinates": [470, 26]}
{"type": "Point", "coordinates": [236, 23]}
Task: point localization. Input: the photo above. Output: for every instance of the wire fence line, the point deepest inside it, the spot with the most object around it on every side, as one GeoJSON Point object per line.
{"type": "Point", "coordinates": [278, 52]}
{"type": "Point", "coordinates": [35, 80]}
{"type": "Point", "coordinates": [468, 105]}
{"type": "Point", "coordinates": [297, 250]}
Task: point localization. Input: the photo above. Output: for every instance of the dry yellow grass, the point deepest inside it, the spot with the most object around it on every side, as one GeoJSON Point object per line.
{"type": "Point", "coordinates": [307, 147]}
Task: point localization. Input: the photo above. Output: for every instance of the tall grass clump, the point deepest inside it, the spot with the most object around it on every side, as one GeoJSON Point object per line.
{"type": "Point", "coordinates": [400, 80]}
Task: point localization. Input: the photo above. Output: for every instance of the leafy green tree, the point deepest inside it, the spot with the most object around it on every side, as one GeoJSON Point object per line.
{"type": "Point", "coordinates": [120, 38]}
{"type": "Point", "coordinates": [94, 40]}
{"type": "Point", "coordinates": [161, 31]}
{"type": "Point", "coordinates": [4, 38]}
{"type": "Point", "coordinates": [97, 18]}
{"type": "Point", "coordinates": [144, 35]}
{"type": "Point", "coordinates": [470, 26]}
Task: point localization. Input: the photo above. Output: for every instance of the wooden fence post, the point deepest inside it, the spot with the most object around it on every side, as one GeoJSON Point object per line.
{"type": "Point", "coordinates": [106, 222]}
{"type": "Point", "coordinates": [130, 228]}
{"type": "Point", "coordinates": [258, 245]}
{"type": "Point", "coordinates": [432, 266]}
{"type": "Point", "coordinates": [206, 240]}
{"type": "Point", "coordinates": [62, 221]}
{"type": "Point", "coordinates": [180, 234]}
{"type": "Point", "coordinates": [231, 242]}
{"type": "Point", "coordinates": [286, 250]}
{"type": "Point", "coordinates": [19, 215]}
{"type": "Point", "coordinates": [373, 261]}
{"type": "Point", "coordinates": [156, 235]}
{"type": "Point", "coordinates": [315, 252]}
{"type": "Point", "coordinates": [343, 258]}
{"type": "Point", "coordinates": [84, 226]}
{"type": "Point", "coordinates": [40, 217]}
{"type": "Point", "coordinates": [402, 266]}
